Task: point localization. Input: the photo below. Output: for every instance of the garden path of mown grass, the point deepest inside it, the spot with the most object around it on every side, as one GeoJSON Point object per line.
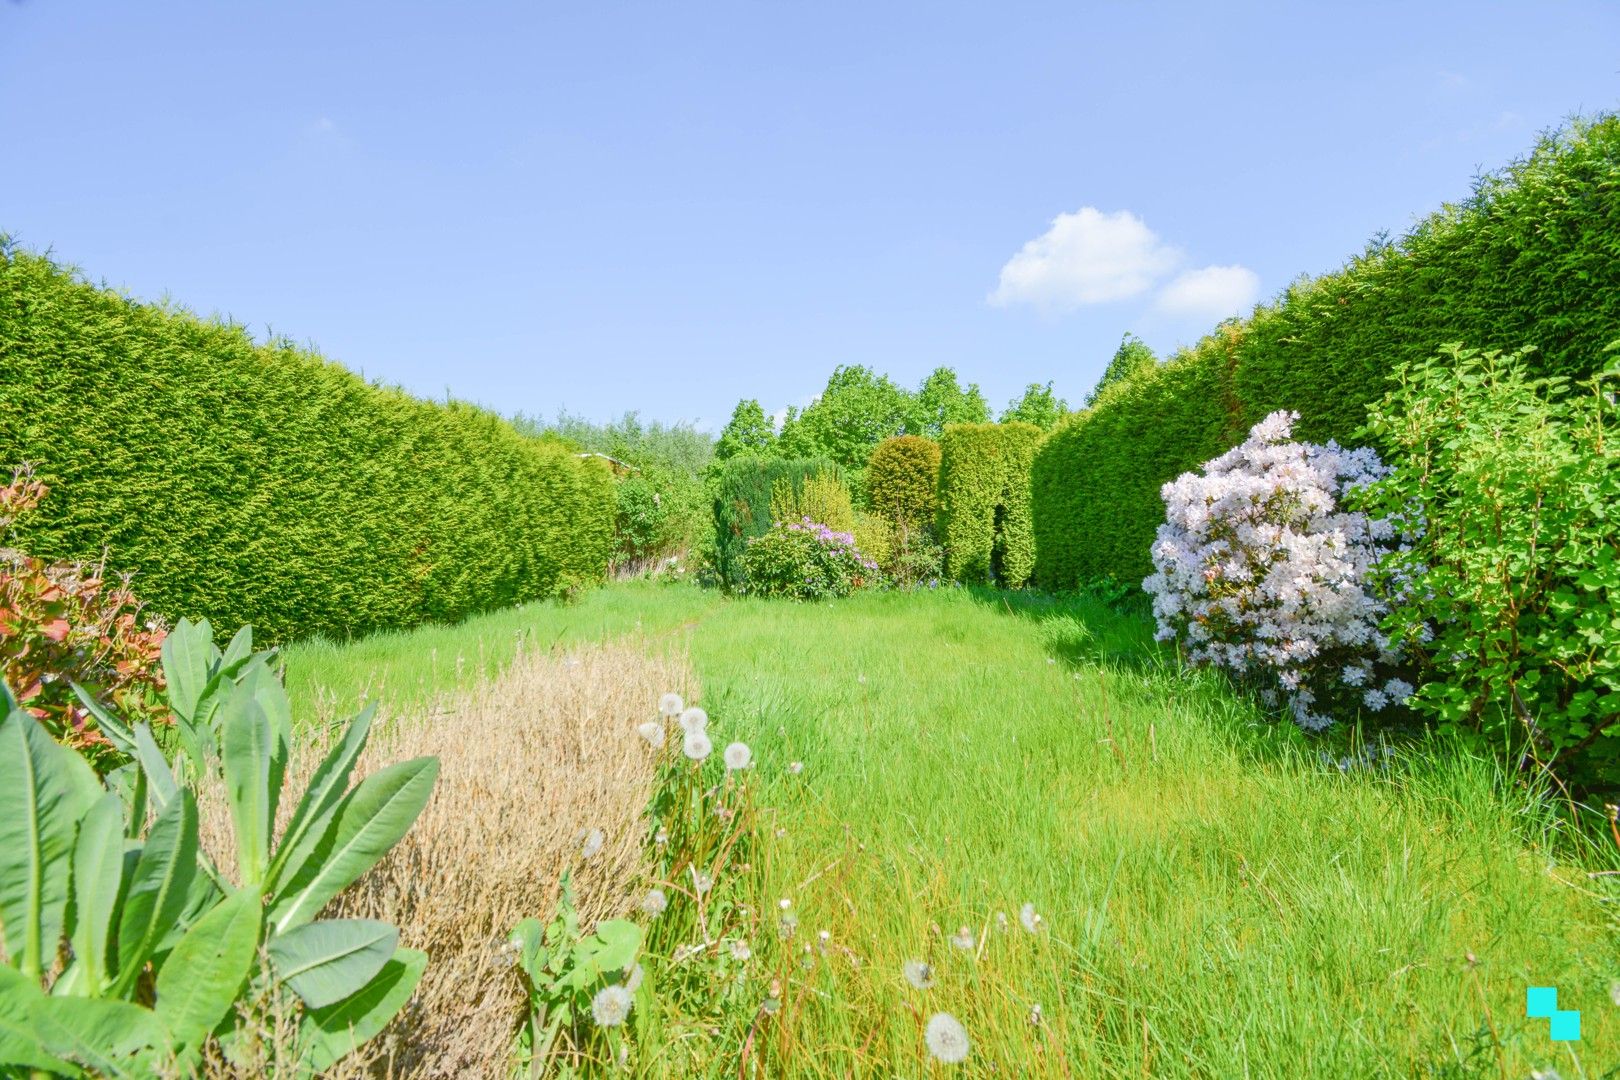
{"type": "Point", "coordinates": [1216, 903]}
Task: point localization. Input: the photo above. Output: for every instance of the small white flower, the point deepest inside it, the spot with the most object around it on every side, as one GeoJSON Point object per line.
{"type": "Point", "coordinates": [697, 745]}
{"type": "Point", "coordinates": [738, 756]}
{"type": "Point", "coordinates": [653, 732]}
{"type": "Point", "coordinates": [670, 705]}
{"type": "Point", "coordinates": [593, 843]}
{"type": "Point", "coordinates": [784, 903]}
{"type": "Point", "coordinates": [918, 974]}
{"type": "Point", "coordinates": [610, 1006]}
{"type": "Point", "coordinates": [654, 902]}
{"type": "Point", "coordinates": [632, 978]}
{"type": "Point", "coordinates": [694, 719]}
{"type": "Point", "coordinates": [1030, 919]}
{"type": "Point", "coordinates": [947, 1039]}
{"type": "Point", "coordinates": [796, 768]}
{"type": "Point", "coordinates": [963, 938]}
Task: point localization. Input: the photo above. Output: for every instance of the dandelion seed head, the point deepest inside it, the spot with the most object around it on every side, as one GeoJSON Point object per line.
{"type": "Point", "coordinates": [670, 705]}
{"type": "Point", "coordinates": [796, 768]}
{"type": "Point", "coordinates": [694, 719]}
{"type": "Point", "coordinates": [697, 745]}
{"type": "Point", "coordinates": [653, 732]}
{"type": "Point", "coordinates": [947, 1039]}
{"type": "Point", "coordinates": [740, 949]}
{"type": "Point", "coordinates": [1035, 1014]}
{"type": "Point", "coordinates": [661, 836]}
{"type": "Point", "coordinates": [610, 1006]}
{"type": "Point", "coordinates": [963, 938]}
{"type": "Point", "coordinates": [654, 902]}
{"type": "Point", "coordinates": [632, 977]}
{"type": "Point", "coordinates": [701, 882]}
{"type": "Point", "coordinates": [738, 756]}
{"type": "Point", "coordinates": [593, 843]}
{"type": "Point", "coordinates": [918, 974]}
{"type": "Point", "coordinates": [1030, 919]}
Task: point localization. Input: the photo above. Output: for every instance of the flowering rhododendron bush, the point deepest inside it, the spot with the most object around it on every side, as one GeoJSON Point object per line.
{"type": "Point", "coordinates": [62, 624]}
{"type": "Point", "coordinates": [1262, 570]}
{"type": "Point", "coordinates": [805, 560]}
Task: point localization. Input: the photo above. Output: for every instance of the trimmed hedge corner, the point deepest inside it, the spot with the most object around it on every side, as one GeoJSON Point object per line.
{"type": "Point", "coordinates": [984, 502]}
{"type": "Point", "coordinates": [263, 484]}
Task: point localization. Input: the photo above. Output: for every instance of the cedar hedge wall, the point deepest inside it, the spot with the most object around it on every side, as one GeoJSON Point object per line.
{"type": "Point", "coordinates": [1531, 258]}
{"type": "Point", "coordinates": [984, 502]}
{"type": "Point", "coordinates": [902, 480]}
{"type": "Point", "coordinates": [264, 484]}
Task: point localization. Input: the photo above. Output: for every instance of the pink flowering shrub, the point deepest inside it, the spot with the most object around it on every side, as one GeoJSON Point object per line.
{"type": "Point", "coordinates": [1262, 570]}
{"type": "Point", "coordinates": [805, 560]}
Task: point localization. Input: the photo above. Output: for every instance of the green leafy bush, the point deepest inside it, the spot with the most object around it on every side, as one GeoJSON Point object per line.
{"type": "Point", "coordinates": [902, 481]}
{"type": "Point", "coordinates": [1531, 257]}
{"type": "Point", "coordinates": [264, 484]}
{"type": "Point", "coordinates": [1517, 575]}
{"type": "Point", "coordinates": [743, 489]}
{"type": "Point", "coordinates": [160, 945]}
{"type": "Point", "coordinates": [984, 502]}
{"type": "Point", "coordinates": [805, 560]}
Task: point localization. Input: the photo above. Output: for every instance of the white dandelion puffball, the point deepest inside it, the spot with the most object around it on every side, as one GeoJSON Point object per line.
{"type": "Point", "coordinates": [670, 705]}
{"type": "Point", "coordinates": [633, 977]}
{"type": "Point", "coordinates": [918, 974]}
{"type": "Point", "coordinates": [655, 902]}
{"type": "Point", "coordinates": [593, 843]}
{"type": "Point", "coordinates": [963, 938]}
{"type": "Point", "coordinates": [947, 1039]}
{"type": "Point", "coordinates": [738, 756]}
{"type": "Point", "coordinates": [610, 1006]}
{"type": "Point", "coordinates": [694, 719]}
{"type": "Point", "coordinates": [697, 746]}
{"type": "Point", "coordinates": [661, 836]}
{"type": "Point", "coordinates": [1030, 918]}
{"type": "Point", "coordinates": [740, 950]}
{"type": "Point", "coordinates": [653, 732]}
{"type": "Point", "coordinates": [701, 882]}
{"type": "Point", "coordinates": [796, 768]}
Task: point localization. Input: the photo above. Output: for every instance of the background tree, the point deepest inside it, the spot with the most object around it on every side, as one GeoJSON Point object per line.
{"type": "Point", "coordinates": [1131, 357]}
{"type": "Point", "coordinates": [748, 432]}
{"type": "Point", "coordinates": [857, 410]}
{"type": "Point", "coordinates": [1039, 406]}
{"type": "Point", "coordinates": [941, 400]}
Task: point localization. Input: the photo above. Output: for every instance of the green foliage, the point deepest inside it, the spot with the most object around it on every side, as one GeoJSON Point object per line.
{"type": "Point", "coordinates": [857, 410]}
{"type": "Point", "coordinates": [742, 505]}
{"type": "Point", "coordinates": [902, 480]}
{"type": "Point", "coordinates": [1532, 257]}
{"type": "Point", "coordinates": [820, 496]}
{"type": "Point", "coordinates": [806, 560]}
{"type": "Point", "coordinates": [62, 627]}
{"type": "Point", "coordinates": [940, 400]}
{"type": "Point", "coordinates": [749, 431]}
{"type": "Point", "coordinates": [984, 502]}
{"type": "Point", "coordinates": [162, 947]}
{"type": "Point", "coordinates": [264, 484]}
{"type": "Point", "coordinates": [1132, 358]}
{"type": "Point", "coordinates": [563, 968]}
{"type": "Point", "coordinates": [1039, 406]}
{"type": "Point", "coordinates": [1517, 575]}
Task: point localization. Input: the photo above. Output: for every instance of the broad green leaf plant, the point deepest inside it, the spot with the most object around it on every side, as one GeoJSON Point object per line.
{"type": "Point", "coordinates": [125, 946]}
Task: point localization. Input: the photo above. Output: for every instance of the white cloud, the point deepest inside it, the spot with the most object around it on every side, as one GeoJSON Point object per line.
{"type": "Point", "coordinates": [1087, 257]}
{"type": "Point", "coordinates": [1211, 292]}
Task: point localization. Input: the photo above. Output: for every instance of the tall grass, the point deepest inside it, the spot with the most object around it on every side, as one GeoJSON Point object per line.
{"type": "Point", "coordinates": [1217, 901]}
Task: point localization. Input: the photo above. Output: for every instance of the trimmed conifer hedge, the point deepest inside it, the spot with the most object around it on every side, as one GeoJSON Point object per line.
{"type": "Point", "coordinates": [263, 484]}
{"type": "Point", "coordinates": [742, 504]}
{"type": "Point", "coordinates": [902, 480]}
{"type": "Point", "coordinates": [1532, 257]}
{"type": "Point", "coordinates": [984, 502]}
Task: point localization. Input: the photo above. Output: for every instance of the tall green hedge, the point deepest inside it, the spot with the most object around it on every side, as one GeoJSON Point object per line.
{"type": "Point", "coordinates": [742, 504]}
{"type": "Point", "coordinates": [1532, 257]}
{"type": "Point", "coordinates": [264, 484]}
{"type": "Point", "coordinates": [984, 501]}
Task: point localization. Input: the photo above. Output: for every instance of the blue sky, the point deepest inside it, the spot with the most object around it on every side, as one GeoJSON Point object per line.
{"type": "Point", "coordinates": [665, 207]}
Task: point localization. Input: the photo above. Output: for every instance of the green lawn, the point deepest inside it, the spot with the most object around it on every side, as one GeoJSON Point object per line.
{"type": "Point", "coordinates": [1217, 902]}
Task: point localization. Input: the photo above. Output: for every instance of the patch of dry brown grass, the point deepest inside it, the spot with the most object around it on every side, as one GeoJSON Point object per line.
{"type": "Point", "coordinates": [529, 763]}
